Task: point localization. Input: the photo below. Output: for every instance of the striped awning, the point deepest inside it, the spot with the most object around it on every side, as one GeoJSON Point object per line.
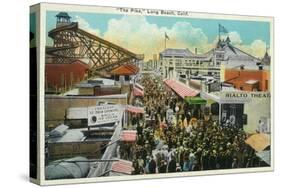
{"type": "Point", "coordinates": [139, 86]}
{"type": "Point", "coordinates": [181, 89]}
{"type": "Point", "coordinates": [122, 167]}
{"type": "Point", "coordinates": [129, 136]}
{"type": "Point", "coordinates": [258, 141]}
{"type": "Point", "coordinates": [135, 109]}
{"type": "Point", "coordinates": [137, 92]}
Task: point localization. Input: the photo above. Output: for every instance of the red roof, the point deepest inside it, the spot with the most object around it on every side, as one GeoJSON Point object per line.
{"type": "Point", "coordinates": [135, 109]}
{"type": "Point", "coordinates": [122, 166]}
{"type": "Point", "coordinates": [181, 89]}
{"type": "Point", "coordinates": [137, 92]}
{"type": "Point", "coordinates": [127, 69]}
{"type": "Point", "coordinates": [64, 65]}
{"type": "Point", "coordinates": [129, 136]}
{"type": "Point", "coordinates": [85, 65]}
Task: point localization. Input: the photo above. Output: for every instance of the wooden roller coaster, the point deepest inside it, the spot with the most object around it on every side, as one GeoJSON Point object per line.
{"type": "Point", "coordinates": [71, 43]}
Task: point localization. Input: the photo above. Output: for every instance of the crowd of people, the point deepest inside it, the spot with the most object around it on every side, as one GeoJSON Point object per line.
{"type": "Point", "coordinates": [191, 142]}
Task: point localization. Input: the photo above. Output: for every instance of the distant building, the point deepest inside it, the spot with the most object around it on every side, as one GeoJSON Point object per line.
{"type": "Point", "coordinates": [182, 62]}
{"type": "Point", "coordinates": [60, 77]}
{"type": "Point", "coordinates": [151, 64]}
{"type": "Point", "coordinates": [224, 62]}
{"type": "Point", "coordinates": [124, 73]}
{"type": "Point", "coordinates": [124, 76]}
{"type": "Point", "coordinates": [233, 57]}
{"type": "Point", "coordinates": [242, 70]}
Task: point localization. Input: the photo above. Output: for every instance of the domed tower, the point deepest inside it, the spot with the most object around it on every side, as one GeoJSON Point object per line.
{"type": "Point", "coordinates": [63, 19]}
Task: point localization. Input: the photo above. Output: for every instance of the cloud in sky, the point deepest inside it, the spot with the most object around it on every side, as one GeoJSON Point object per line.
{"type": "Point", "coordinates": [235, 38]}
{"type": "Point", "coordinates": [83, 24]}
{"type": "Point", "coordinates": [257, 48]}
{"type": "Point", "coordinates": [139, 36]}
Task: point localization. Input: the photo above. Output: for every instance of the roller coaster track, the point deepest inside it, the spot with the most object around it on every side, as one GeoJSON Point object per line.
{"type": "Point", "coordinates": [72, 43]}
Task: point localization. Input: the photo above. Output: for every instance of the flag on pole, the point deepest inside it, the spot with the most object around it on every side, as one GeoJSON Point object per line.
{"type": "Point", "coordinates": [222, 29]}
{"type": "Point", "coordinates": [166, 36]}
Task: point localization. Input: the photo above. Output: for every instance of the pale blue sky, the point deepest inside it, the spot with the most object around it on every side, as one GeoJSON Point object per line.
{"type": "Point", "coordinates": [184, 32]}
{"type": "Point", "coordinates": [249, 30]}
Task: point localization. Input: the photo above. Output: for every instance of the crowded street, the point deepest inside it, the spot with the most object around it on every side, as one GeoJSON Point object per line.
{"type": "Point", "coordinates": [190, 142]}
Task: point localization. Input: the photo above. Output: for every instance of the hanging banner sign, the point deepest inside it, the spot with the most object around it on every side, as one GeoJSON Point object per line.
{"type": "Point", "coordinates": [104, 114]}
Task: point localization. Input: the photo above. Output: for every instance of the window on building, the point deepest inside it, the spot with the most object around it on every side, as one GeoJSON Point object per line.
{"type": "Point", "coordinates": [127, 77]}
{"type": "Point", "coordinates": [193, 62]}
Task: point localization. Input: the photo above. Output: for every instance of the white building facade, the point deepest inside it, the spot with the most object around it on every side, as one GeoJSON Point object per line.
{"type": "Point", "coordinates": [175, 63]}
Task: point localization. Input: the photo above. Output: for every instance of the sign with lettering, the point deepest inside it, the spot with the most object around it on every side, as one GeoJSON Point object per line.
{"type": "Point", "coordinates": [104, 114]}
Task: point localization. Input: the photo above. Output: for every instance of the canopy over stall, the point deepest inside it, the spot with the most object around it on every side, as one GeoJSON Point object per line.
{"type": "Point", "coordinates": [139, 86]}
{"type": "Point", "coordinates": [181, 89]}
{"type": "Point", "coordinates": [128, 135]}
{"type": "Point", "coordinates": [135, 109]}
{"type": "Point", "coordinates": [121, 167]}
{"type": "Point", "coordinates": [195, 100]}
{"type": "Point", "coordinates": [137, 92]}
{"type": "Point", "coordinates": [259, 141]}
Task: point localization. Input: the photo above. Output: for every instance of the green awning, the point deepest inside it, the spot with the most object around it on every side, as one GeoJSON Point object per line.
{"type": "Point", "coordinates": [195, 100]}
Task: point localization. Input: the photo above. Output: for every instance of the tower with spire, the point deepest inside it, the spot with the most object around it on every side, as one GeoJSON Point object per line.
{"type": "Point", "coordinates": [266, 58]}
